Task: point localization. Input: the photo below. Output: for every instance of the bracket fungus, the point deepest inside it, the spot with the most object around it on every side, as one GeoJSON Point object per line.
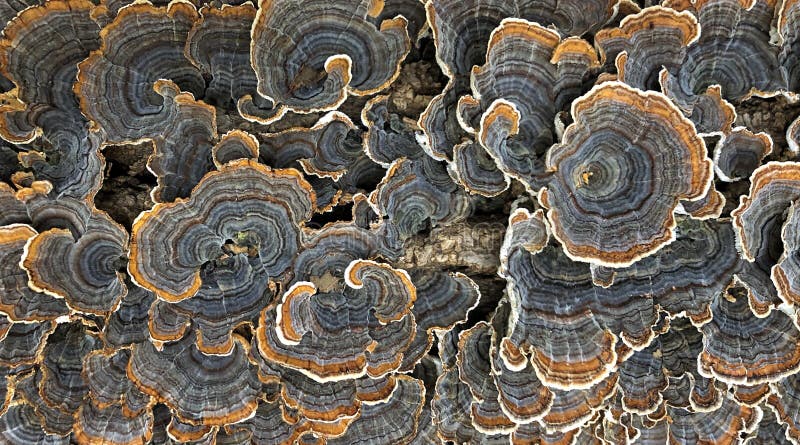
{"type": "Point", "coordinates": [607, 183]}
{"type": "Point", "coordinates": [399, 221]}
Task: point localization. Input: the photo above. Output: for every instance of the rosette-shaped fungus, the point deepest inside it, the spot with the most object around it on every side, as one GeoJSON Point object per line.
{"type": "Point", "coordinates": [39, 53]}
{"type": "Point", "coordinates": [530, 75]}
{"type": "Point", "coordinates": [245, 209]}
{"type": "Point", "coordinates": [117, 84]}
{"type": "Point", "coordinates": [646, 42]}
{"type": "Point", "coordinates": [219, 45]}
{"type": "Point", "coordinates": [612, 197]}
{"type": "Point", "coordinates": [362, 328]}
{"type": "Point", "coordinates": [570, 327]}
{"type": "Point", "coordinates": [461, 31]}
{"type": "Point", "coordinates": [309, 56]}
{"type": "Point", "coordinates": [773, 190]}
{"type": "Point", "coordinates": [733, 51]}
{"type": "Point", "coordinates": [200, 389]}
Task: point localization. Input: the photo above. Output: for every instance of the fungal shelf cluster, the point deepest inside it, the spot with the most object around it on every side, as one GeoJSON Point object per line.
{"type": "Point", "coordinates": [644, 289]}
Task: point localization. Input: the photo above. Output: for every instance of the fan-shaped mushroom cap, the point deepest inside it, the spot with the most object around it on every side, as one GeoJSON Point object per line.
{"type": "Point", "coordinates": [739, 153]}
{"type": "Point", "coordinates": [233, 145]}
{"type": "Point", "coordinates": [607, 183]}
{"type": "Point", "coordinates": [17, 300]}
{"type": "Point", "coordinates": [81, 268]}
{"type": "Point", "coordinates": [20, 425]}
{"type": "Point", "coordinates": [201, 389]}
{"type": "Point", "coordinates": [740, 348]}
{"type": "Point", "coordinates": [309, 331]}
{"type": "Point", "coordinates": [645, 42]}
{"type": "Point", "coordinates": [309, 56]}
{"type": "Point", "coordinates": [244, 208]}
{"type": "Point", "coordinates": [118, 83]}
{"type": "Point", "coordinates": [530, 74]}
{"type": "Point", "coordinates": [416, 194]}
{"type": "Point", "coordinates": [39, 53]}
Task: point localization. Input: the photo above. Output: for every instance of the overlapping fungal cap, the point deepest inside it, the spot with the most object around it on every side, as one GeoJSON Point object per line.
{"type": "Point", "coordinates": [20, 425]}
{"type": "Point", "coordinates": [646, 42]}
{"type": "Point", "coordinates": [129, 323]}
{"type": "Point", "coordinates": [83, 268]}
{"type": "Point", "coordinates": [612, 196]}
{"type": "Point", "coordinates": [773, 189]}
{"type": "Point", "coordinates": [200, 389]}
{"type": "Point", "coordinates": [40, 52]}
{"type": "Point", "coordinates": [793, 136]}
{"type": "Point", "coordinates": [395, 419]}
{"type": "Point", "coordinates": [362, 328]}
{"type": "Point", "coordinates": [723, 425]}
{"type": "Point", "coordinates": [461, 31]}
{"type": "Point", "coordinates": [310, 56]}
{"type": "Point", "coordinates": [475, 370]}
{"type": "Point", "coordinates": [389, 136]}
{"type": "Point", "coordinates": [739, 153]}
{"type": "Point", "coordinates": [784, 402]}
{"type": "Point", "coordinates": [530, 75]}
{"type": "Point", "coordinates": [340, 401]}
{"type": "Point", "coordinates": [115, 410]}
{"type": "Point", "coordinates": [443, 300]}
{"type": "Point", "coordinates": [118, 83]}
{"type": "Point", "coordinates": [788, 14]}
{"type": "Point", "coordinates": [769, 431]}
{"type": "Point", "coordinates": [233, 145]}
{"type": "Point", "coordinates": [105, 372]}
{"type": "Point", "coordinates": [17, 300]}
{"type": "Point", "coordinates": [54, 421]}
{"type": "Point", "coordinates": [245, 209]}
{"type": "Point", "coordinates": [451, 405]}
{"type": "Point", "coordinates": [94, 424]}
{"type": "Point", "coordinates": [219, 45]}
{"type": "Point", "coordinates": [732, 51]}
{"type": "Point", "coordinates": [182, 148]}
{"type": "Point", "coordinates": [562, 318]}
{"type": "Point", "coordinates": [785, 272]}
{"type": "Point", "coordinates": [63, 386]}
{"type": "Point", "coordinates": [766, 348]}
{"type": "Point", "coordinates": [23, 343]}
{"type": "Point", "coordinates": [234, 290]}
{"type": "Point", "coordinates": [475, 170]}
{"type": "Point", "coordinates": [327, 149]}
{"type": "Point", "coordinates": [419, 194]}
